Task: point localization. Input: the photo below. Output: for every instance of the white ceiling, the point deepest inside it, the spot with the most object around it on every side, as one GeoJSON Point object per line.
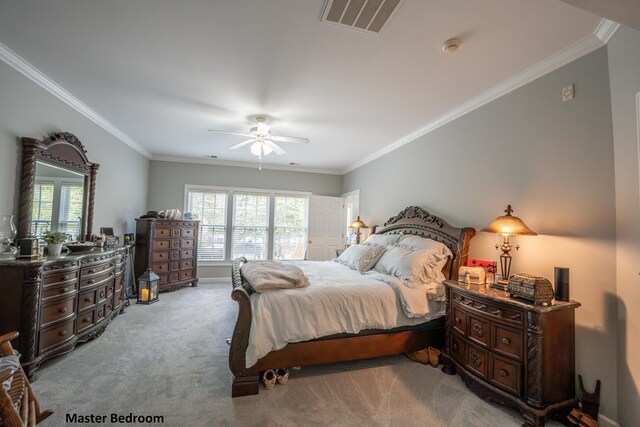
{"type": "Point", "coordinates": [163, 71]}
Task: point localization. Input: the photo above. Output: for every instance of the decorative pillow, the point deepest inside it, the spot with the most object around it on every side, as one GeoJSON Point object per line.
{"type": "Point", "coordinates": [424, 243]}
{"type": "Point", "coordinates": [383, 240]}
{"type": "Point", "coordinates": [361, 257]}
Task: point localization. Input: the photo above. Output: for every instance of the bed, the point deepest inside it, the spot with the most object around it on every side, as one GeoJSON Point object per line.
{"type": "Point", "coordinates": [400, 337]}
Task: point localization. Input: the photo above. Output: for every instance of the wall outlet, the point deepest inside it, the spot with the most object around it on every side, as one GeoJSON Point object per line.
{"type": "Point", "coordinates": [567, 93]}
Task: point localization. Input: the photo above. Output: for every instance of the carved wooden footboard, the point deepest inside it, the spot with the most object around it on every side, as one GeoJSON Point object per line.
{"type": "Point", "coordinates": [412, 220]}
{"type": "Point", "coordinates": [245, 380]}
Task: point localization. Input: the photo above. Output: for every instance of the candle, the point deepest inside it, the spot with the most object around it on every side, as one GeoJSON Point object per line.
{"type": "Point", "coordinates": [144, 294]}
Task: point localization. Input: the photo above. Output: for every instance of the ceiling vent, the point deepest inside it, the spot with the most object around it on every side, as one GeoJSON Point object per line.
{"type": "Point", "coordinates": [365, 15]}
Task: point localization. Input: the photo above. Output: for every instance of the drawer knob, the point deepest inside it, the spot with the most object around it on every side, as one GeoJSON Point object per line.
{"type": "Point", "coordinates": [65, 277]}
{"type": "Point", "coordinates": [87, 300]}
{"type": "Point", "coordinates": [477, 329]}
{"type": "Point", "coordinates": [62, 333]}
{"type": "Point", "coordinates": [85, 320]}
{"type": "Point", "coordinates": [455, 346]}
{"type": "Point", "coordinates": [505, 341]}
{"type": "Point", "coordinates": [91, 282]}
{"type": "Point", "coordinates": [63, 310]}
{"type": "Point", "coordinates": [458, 321]}
{"type": "Point", "coordinates": [476, 358]}
{"type": "Point", "coordinates": [91, 271]}
{"type": "Point", "coordinates": [503, 373]}
{"type": "Point", "coordinates": [65, 290]}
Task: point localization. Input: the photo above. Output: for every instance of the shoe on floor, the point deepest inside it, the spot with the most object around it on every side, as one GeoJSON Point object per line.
{"type": "Point", "coordinates": [282, 375]}
{"type": "Point", "coordinates": [269, 379]}
{"type": "Point", "coordinates": [420, 356]}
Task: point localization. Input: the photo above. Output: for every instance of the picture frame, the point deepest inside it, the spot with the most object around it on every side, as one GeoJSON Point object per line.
{"type": "Point", "coordinates": [107, 231]}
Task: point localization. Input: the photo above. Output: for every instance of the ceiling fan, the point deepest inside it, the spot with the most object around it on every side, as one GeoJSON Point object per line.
{"type": "Point", "coordinates": [263, 143]}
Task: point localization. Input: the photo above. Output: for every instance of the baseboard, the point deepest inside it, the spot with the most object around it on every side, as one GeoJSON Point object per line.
{"type": "Point", "coordinates": [215, 279]}
{"type": "Point", "coordinates": [605, 421]}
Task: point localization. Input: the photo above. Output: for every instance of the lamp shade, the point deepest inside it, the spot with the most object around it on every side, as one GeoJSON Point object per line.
{"type": "Point", "coordinates": [358, 224]}
{"type": "Point", "coordinates": [509, 225]}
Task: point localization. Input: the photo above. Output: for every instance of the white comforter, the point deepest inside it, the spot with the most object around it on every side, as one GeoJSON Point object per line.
{"type": "Point", "coordinates": [338, 300]}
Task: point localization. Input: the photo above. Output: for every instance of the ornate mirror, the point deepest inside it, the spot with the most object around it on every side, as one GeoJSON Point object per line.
{"type": "Point", "coordinates": [58, 186]}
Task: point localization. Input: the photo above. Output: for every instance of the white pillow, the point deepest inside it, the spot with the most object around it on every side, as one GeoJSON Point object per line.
{"type": "Point", "coordinates": [434, 265]}
{"type": "Point", "coordinates": [424, 243]}
{"type": "Point", "coordinates": [382, 239]}
{"type": "Point", "coordinates": [404, 263]}
{"type": "Point", "coordinates": [414, 265]}
{"type": "Point", "coordinates": [361, 257]}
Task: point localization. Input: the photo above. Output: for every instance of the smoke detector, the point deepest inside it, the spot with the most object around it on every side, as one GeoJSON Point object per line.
{"type": "Point", "coordinates": [450, 45]}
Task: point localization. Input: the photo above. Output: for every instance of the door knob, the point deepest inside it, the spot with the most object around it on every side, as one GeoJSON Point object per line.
{"type": "Point", "coordinates": [310, 242]}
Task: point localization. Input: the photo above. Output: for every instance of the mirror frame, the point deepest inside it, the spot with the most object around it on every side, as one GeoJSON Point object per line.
{"type": "Point", "coordinates": [63, 150]}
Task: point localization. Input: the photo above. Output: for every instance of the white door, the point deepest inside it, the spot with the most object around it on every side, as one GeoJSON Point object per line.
{"type": "Point", "coordinates": [326, 227]}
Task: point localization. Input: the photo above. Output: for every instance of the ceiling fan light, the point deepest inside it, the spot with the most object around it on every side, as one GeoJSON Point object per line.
{"type": "Point", "coordinates": [263, 129]}
{"type": "Point", "coordinates": [266, 149]}
{"type": "Point", "coordinates": [259, 148]}
{"type": "Point", "coordinates": [255, 149]}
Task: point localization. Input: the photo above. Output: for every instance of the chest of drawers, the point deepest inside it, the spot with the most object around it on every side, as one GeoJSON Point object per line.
{"type": "Point", "coordinates": [170, 248]}
{"type": "Point", "coordinates": [510, 351]}
{"type": "Point", "coordinates": [59, 302]}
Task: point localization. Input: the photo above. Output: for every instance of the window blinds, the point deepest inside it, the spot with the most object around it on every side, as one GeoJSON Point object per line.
{"type": "Point", "coordinates": [210, 207]}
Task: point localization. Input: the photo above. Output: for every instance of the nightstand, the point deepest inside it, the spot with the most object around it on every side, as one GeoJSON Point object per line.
{"type": "Point", "coordinates": [511, 351]}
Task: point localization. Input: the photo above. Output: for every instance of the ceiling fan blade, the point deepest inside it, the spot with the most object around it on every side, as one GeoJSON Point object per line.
{"type": "Point", "coordinates": [242, 144]}
{"type": "Point", "coordinates": [278, 150]}
{"type": "Point", "coordinates": [294, 139]}
{"type": "Point", "coordinates": [230, 133]}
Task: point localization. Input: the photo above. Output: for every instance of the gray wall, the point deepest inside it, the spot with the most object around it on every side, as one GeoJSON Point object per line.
{"type": "Point", "coordinates": [167, 181]}
{"type": "Point", "coordinates": [28, 110]}
{"type": "Point", "coordinates": [554, 163]}
{"type": "Point", "coordinates": [624, 73]}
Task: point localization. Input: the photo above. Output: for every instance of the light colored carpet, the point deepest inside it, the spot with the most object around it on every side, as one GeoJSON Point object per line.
{"type": "Point", "coordinates": [170, 359]}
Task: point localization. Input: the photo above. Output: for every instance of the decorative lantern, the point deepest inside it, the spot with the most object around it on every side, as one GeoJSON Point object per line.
{"type": "Point", "coordinates": [148, 287]}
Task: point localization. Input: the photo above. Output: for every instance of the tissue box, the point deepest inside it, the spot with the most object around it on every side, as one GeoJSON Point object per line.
{"type": "Point", "coordinates": [472, 275]}
{"type": "Point", "coordinates": [534, 288]}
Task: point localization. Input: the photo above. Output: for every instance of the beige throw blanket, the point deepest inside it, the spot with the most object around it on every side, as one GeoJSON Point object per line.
{"type": "Point", "coordinates": [272, 275]}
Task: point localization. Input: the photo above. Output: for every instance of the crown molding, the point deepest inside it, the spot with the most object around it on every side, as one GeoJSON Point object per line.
{"type": "Point", "coordinates": [553, 62]}
{"type": "Point", "coordinates": [38, 77]}
{"type": "Point", "coordinates": [244, 165]}
{"type": "Point", "coordinates": [605, 30]}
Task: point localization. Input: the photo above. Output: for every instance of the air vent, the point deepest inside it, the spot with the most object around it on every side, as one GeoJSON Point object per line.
{"type": "Point", "coordinates": [366, 15]}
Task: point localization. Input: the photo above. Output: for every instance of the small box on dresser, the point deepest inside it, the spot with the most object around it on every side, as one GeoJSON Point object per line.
{"type": "Point", "coordinates": [511, 351]}
{"type": "Point", "coordinates": [169, 247]}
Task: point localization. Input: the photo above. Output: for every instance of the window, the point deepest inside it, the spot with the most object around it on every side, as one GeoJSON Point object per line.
{"type": "Point", "coordinates": [250, 226]}
{"type": "Point", "coordinates": [290, 227]}
{"type": "Point", "coordinates": [42, 210]}
{"type": "Point", "coordinates": [210, 207]}
{"type": "Point", "coordinates": [57, 206]}
{"type": "Point", "coordinates": [255, 224]}
{"type": "Point", "coordinates": [70, 208]}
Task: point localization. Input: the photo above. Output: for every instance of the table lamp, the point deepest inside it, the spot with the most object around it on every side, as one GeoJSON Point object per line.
{"type": "Point", "coordinates": [507, 225]}
{"type": "Point", "coordinates": [358, 224]}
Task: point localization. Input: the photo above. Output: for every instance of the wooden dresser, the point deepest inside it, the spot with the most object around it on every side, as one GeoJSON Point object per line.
{"type": "Point", "coordinates": [59, 302]}
{"type": "Point", "coordinates": [170, 248]}
{"type": "Point", "coordinates": [510, 351]}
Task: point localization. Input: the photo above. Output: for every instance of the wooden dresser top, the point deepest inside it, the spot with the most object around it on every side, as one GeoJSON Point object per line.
{"type": "Point", "coordinates": [496, 295]}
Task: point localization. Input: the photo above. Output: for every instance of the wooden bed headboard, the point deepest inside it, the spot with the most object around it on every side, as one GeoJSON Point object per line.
{"type": "Point", "coordinates": [414, 220]}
